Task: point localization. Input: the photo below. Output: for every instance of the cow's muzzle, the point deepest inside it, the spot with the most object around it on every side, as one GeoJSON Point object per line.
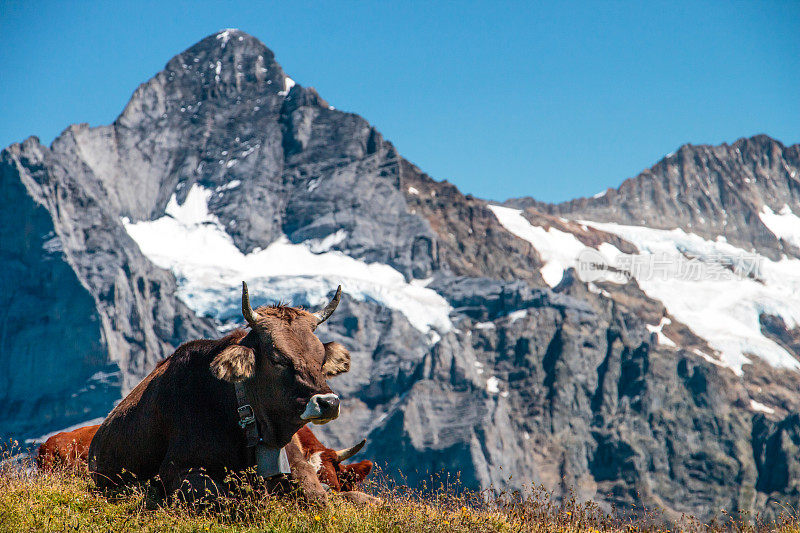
{"type": "Point", "coordinates": [321, 408]}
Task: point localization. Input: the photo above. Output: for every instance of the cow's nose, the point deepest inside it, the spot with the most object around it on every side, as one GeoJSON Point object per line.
{"type": "Point", "coordinates": [328, 404]}
{"type": "Point", "coordinates": [322, 407]}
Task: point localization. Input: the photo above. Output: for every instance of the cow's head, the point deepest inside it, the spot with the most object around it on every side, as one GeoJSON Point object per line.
{"type": "Point", "coordinates": [284, 367]}
{"type": "Point", "coordinates": [336, 475]}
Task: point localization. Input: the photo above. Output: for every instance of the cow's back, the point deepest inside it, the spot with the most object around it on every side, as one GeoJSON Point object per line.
{"type": "Point", "coordinates": [181, 412]}
{"type": "Point", "coordinates": [130, 444]}
{"type": "Point", "coordinates": [68, 448]}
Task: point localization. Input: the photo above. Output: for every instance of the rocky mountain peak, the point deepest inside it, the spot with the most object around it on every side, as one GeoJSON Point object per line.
{"type": "Point", "coordinates": [228, 65]}
{"type": "Point", "coordinates": [726, 190]}
{"type": "Point", "coordinates": [231, 58]}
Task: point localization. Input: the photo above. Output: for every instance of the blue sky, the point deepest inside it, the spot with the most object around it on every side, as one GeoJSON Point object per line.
{"type": "Point", "coordinates": [552, 100]}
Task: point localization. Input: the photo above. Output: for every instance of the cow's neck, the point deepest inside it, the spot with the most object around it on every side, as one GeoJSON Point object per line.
{"type": "Point", "coordinates": [261, 430]}
{"type": "Point", "coordinates": [269, 459]}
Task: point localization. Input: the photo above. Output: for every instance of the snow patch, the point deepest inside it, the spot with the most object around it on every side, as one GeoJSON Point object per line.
{"type": "Point", "coordinates": [703, 293]}
{"type": "Point", "coordinates": [493, 387]}
{"type": "Point", "coordinates": [783, 224]}
{"type": "Point", "coordinates": [559, 250]}
{"type": "Point", "coordinates": [106, 378]}
{"type": "Point", "coordinates": [712, 360]}
{"type": "Point", "coordinates": [485, 325]}
{"type": "Point", "coordinates": [288, 83]}
{"type": "Point", "coordinates": [225, 35]}
{"type": "Point", "coordinates": [758, 406]}
{"type": "Point", "coordinates": [228, 186]}
{"type": "Point", "coordinates": [517, 315]}
{"type": "Point", "coordinates": [323, 245]}
{"type": "Point", "coordinates": [662, 339]}
{"type": "Point", "coordinates": [413, 190]}
{"type": "Point", "coordinates": [716, 289]}
{"type": "Point", "coordinates": [209, 268]}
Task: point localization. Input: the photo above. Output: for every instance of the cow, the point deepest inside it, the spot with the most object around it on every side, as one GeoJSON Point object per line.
{"type": "Point", "coordinates": [185, 421]}
{"type": "Point", "coordinates": [328, 462]}
{"type": "Point", "coordinates": [69, 449]}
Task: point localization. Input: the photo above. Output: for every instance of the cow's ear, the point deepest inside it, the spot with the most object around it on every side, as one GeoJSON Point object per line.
{"type": "Point", "coordinates": [352, 475]}
{"type": "Point", "coordinates": [337, 359]}
{"type": "Point", "coordinates": [234, 363]}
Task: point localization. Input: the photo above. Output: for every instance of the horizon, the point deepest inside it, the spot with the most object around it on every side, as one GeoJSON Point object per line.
{"type": "Point", "coordinates": [598, 116]}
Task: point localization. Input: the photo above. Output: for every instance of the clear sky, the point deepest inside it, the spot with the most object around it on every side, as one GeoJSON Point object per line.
{"type": "Point", "coordinates": [546, 99]}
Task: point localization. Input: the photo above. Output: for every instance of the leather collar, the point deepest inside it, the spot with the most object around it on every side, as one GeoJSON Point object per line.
{"type": "Point", "coordinates": [269, 462]}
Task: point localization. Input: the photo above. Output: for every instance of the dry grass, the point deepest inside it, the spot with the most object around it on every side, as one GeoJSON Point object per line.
{"type": "Point", "coordinates": [67, 501]}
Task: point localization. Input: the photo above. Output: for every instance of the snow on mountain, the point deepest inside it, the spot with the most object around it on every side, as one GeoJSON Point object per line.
{"type": "Point", "coordinates": [784, 224]}
{"type": "Point", "coordinates": [209, 268]}
{"type": "Point", "coordinates": [288, 83]}
{"type": "Point", "coordinates": [719, 290]}
{"type": "Point", "coordinates": [559, 250]}
{"type": "Point", "coordinates": [658, 330]}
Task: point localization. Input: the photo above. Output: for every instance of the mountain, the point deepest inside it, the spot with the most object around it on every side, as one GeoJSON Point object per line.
{"type": "Point", "coordinates": [733, 191]}
{"type": "Point", "coordinates": [511, 344]}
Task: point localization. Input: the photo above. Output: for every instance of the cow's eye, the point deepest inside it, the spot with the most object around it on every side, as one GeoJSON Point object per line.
{"type": "Point", "coordinates": [283, 363]}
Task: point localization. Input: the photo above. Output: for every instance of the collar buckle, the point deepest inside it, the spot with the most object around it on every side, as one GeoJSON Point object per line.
{"type": "Point", "coordinates": [246, 416]}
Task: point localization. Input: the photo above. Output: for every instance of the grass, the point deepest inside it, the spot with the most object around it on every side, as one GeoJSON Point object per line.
{"type": "Point", "coordinates": [67, 501]}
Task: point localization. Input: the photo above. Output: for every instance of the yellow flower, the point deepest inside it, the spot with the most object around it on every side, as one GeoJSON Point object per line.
{"type": "Point", "coordinates": [464, 509]}
{"type": "Point", "coordinates": [569, 513]}
{"type": "Point", "coordinates": [317, 517]}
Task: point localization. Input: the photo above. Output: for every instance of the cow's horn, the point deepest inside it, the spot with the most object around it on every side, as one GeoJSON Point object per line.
{"type": "Point", "coordinates": [323, 315]}
{"type": "Point", "coordinates": [247, 311]}
{"type": "Point", "coordinates": [347, 453]}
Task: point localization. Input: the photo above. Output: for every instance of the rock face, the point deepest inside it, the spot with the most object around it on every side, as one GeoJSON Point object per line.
{"type": "Point", "coordinates": [709, 190]}
{"type": "Point", "coordinates": [466, 357]}
{"type": "Point", "coordinates": [86, 314]}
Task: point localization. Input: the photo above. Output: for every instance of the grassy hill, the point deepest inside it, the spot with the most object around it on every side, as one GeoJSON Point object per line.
{"type": "Point", "coordinates": [67, 501]}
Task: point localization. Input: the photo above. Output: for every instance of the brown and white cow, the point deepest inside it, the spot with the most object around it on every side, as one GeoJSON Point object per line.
{"type": "Point", "coordinates": [328, 462]}
{"type": "Point", "coordinates": [181, 421]}
{"type": "Point", "coordinates": [69, 449]}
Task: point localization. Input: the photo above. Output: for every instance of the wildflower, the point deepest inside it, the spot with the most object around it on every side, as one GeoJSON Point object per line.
{"type": "Point", "coordinates": [317, 517]}
{"type": "Point", "coordinates": [464, 509]}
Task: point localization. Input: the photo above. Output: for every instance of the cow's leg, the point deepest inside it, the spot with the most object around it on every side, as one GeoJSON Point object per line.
{"type": "Point", "coordinates": [280, 485]}
{"type": "Point", "coordinates": [154, 495]}
{"type": "Point", "coordinates": [192, 485]}
{"type": "Point", "coordinates": [360, 498]}
{"type": "Point", "coordinates": [304, 473]}
{"type": "Point", "coordinates": [197, 488]}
